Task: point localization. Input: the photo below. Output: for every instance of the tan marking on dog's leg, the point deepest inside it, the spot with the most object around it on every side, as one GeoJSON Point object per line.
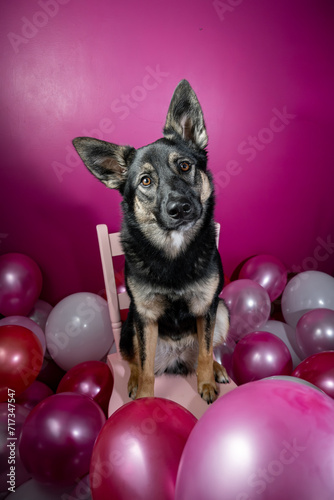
{"type": "Point", "coordinates": [220, 373]}
{"type": "Point", "coordinates": [206, 384]}
{"type": "Point", "coordinates": [146, 372]}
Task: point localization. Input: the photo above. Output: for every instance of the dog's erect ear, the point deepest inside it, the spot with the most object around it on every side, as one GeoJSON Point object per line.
{"type": "Point", "coordinates": [108, 162]}
{"type": "Point", "coordinates": [185, 116]}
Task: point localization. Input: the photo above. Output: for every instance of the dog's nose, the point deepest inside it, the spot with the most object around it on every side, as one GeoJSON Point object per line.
{"type": "Point", "coordinates": [179, 209]}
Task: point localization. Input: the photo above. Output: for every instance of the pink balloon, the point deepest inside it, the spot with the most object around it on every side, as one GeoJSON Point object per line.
{"type": "Point", "coordinates": [58, 437]}
{"type": "Point", "coordinates": [26, 323]}
{"type": "Point", "coordinates": [318, 370]}
{"type": "Point", "coordinates": [267, 271]}
{"type": "Point", "coordinates": [12, 451]}
{"type": "Point", "coordinates": [92, 378]}
{"type": "Point", "coordinates": [35, 393]}
{"type": "Point", "coordinates": [249, 306]}
{"type": "Point", "coordinates": [266, 439]}
{"type": "Point", "coordinates": [20, 284]}
{"type": "Point", "coordinates": [137, 453]}
{"type": "Point", "coordinates": [315, 331]}
{"type": "Point", "coordinates": [259, 355]}
{"type": "Point", "coordinates": [40, 313]}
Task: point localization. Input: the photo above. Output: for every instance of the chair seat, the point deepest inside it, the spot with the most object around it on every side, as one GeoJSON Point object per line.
{"type": "Point", "coordinates": [182, 390]}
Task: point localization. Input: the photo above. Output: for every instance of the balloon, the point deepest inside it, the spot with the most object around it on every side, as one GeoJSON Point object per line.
{"type": "Point", "coordinates": [249, 306]}
{"type": "Point", "coordinates": [266, 439]}
{"type": "Point", "coordinates": [21, 358]}
{"type": "Point", "coordinates": [318, 370]}
{"type": "Point", "coordinates": [307, 291]}
{"type": "Point", "coordinates": [20, 284]}
{"type": "Point", "coordinates": [286, 333]}
{"type": "Point", "coordinates": [296, 380]}
{"type": "Point", "coordinates": [92, 378]}
{"type": "Point", "coordinates": [34, 394]}
{"type": "Point", "coordinates": [259, 355]}
{"type": "Point", "coordinates": [315, 331]}
{"type": "Point", "coordinates": [137, 453]}
{"type": "Point", "coordinates": [78, 329]}
{"type": "Point", "coordinates": [27, 323]}
{"type": "Point", "coordinates": [40, 313]}
{"type": "Point", "coordinates": [9, 455]}
{"type": "Point", "coordinates": [268, 272]}
{"type": "Point", "coordinates": [58, 437]}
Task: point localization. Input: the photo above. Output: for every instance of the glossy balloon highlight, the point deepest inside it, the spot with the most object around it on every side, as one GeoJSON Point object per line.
{"type": "Point", "coordinates": [266, 439]}
{"type": "Point", "coordinates": [138, 450]}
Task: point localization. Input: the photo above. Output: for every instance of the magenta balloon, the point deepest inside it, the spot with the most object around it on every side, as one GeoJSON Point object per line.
{"type": "Point", "coordinates": [318, 370]}
{"type": "Point", "coordinates": [315, 331]}
{"type": "Point", "coordinates": [34, 395]}
{"type": "Point", "coordinates": [137, 453]}
{"type": "Point", "coordinates": [8, 453]}
{"type": "Point", "coordinates": [269, 439]}
{"type": "Point", "coordinates": [267, 271]}
{"type": "Point", "coordinates": [26, 323]}
{"type": "Point", "coordinates": [259, 355]}
{"type": "Point", "coordinates": [249, 305]}
{"type": "Point", "coordinates": [20, 284]}
{"type": "Point", "coordinates": [92, 378]}
{"type": "Point", "coordinates": [58, 437]}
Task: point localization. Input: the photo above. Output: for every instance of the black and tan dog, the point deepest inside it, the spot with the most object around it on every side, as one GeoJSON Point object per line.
{"type": "Point", "coordinates": [173, 269]}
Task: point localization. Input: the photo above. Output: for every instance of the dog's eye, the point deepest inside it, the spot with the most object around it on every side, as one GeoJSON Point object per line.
{"type": "Point", "coordinates": [146, 181]}
{"type": "Point", "coordinates": [185, 166]}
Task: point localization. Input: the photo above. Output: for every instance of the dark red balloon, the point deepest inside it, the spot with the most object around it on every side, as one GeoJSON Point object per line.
{"type": "Point", "coordinates": [92, 378]}
{"type": "Point", "coordinates": [137, 453]}
{"type": "Point", "coordinates": [20, 284]}
{"type": "Point", "coordinates": [259, 355]}
{"type": "Point", "coordinates": [58, 437]}
{"type": "Point", "coordinates": [319, 370]}
{"type": "Point", "coordinates": [21, 358]}
{"type": "Point", "coordinates": [35, 393]}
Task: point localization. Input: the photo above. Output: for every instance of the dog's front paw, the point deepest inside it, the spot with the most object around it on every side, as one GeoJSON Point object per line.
{"type": "Point", "coordinates": [220, 373]}
{"type": "Point", "coordinates": [208, 391]}
{"type": "Point", "coordinates": [133, 387]}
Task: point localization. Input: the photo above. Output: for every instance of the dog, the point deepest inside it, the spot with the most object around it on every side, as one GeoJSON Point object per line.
{"type": "Point", "coordinates": [173, 271]}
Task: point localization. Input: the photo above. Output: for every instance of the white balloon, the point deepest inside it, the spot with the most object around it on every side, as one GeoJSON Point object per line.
{"type": "Point", "coordinates": [288, 334]}
{"type": "Point", "coordinates": [306, 291]}
{"type": "Point", "coordinates": [79, 329]}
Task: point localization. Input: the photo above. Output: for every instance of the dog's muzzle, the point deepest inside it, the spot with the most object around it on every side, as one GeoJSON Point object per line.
{"type": "Point", "coordinates": [182, 210]}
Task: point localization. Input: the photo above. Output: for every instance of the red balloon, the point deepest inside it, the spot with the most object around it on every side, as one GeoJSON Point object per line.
{"type": "Point", "coordinates": [20, 284]}
{"type": "Point", "coordinates": [21, 358]}
{"type": "Point", "coordinates": [92, 378]}
{"type": "Point", "coordinates": [259, 355]}
{"type": "Point", "coordinates": [137, 453]}
{"type": "Point", "coordinates": [58, 437]}
{"type": "Point", "coordinates": [318, 370]}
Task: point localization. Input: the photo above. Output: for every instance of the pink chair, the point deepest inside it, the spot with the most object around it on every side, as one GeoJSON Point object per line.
{"type": "Point", "coordinates": [182, 390]}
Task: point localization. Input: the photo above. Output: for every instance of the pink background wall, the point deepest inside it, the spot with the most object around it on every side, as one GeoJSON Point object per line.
{"type": "Point", "coordinates": [264, 74]}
